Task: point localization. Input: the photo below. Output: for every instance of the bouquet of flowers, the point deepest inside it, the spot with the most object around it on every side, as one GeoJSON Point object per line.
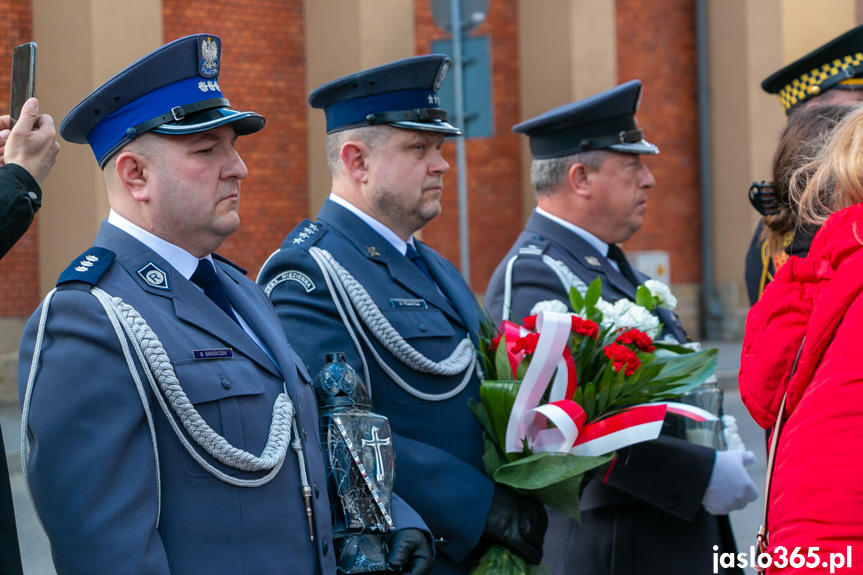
{"type": "Point", "coordinates": [564, 391]}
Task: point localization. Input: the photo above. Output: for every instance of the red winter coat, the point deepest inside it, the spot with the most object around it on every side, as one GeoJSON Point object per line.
{"type": "Point", "coordinates": [816, 496]}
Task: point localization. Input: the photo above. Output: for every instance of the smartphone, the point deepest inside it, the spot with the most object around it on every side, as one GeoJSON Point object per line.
{"type": "Point", "coordinates": [23, 77]}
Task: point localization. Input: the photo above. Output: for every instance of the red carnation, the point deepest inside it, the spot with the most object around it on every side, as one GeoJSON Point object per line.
{"type": "Point", "coordinates": [526, 344]}
{"type": "Point", "coordinates": [529, 322]}
{"type": "Point", "coordinates": [638, 338]}
{"type": "Point", "coordinates": [585, 327]}
{"type": "Point", "coordinates": [622, 357]}
{"type": "Point", "coordinates": [495, 342]}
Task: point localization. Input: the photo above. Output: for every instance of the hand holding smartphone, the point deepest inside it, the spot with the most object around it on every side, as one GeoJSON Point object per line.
{"type": "Point", "coordinates": [23, 78]}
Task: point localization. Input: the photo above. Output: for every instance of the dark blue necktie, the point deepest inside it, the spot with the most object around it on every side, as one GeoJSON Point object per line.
{"type": "Point", "coordinates": [414, 256]}
{"type": "Point", "coordinates": [205, 278]}
{"type": "Point", "coordinates": [616, 254]}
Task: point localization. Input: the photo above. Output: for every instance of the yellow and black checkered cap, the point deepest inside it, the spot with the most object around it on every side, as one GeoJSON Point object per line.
{"type": "Point", "coordinates": [836, 64]}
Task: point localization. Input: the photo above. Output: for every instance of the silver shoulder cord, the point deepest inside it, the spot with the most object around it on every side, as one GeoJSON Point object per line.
{"type": "Point", "coordinates": [150, 353]}
{"type": "Point", "coordinates": [350, 298]}
{"type": "Point", "coordinates": [560, 269]}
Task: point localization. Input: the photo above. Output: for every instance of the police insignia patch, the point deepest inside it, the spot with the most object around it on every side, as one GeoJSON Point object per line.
{"type": "Point", "coordinates": [208, 57]}
{"type": "Point", "coordinates": [154, 276]}
{"type": "Point", "coordinates": [293, 276]}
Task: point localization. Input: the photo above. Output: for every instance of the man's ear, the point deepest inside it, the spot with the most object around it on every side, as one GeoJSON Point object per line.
{"type": "Point", "coordinates": [133, 173]}
{"type": "Point", "coordinates": [354, 155]}
{"type": "Point", "coordinates": [578, 179]}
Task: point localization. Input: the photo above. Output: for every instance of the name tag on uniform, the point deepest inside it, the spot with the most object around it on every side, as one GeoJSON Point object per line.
{"type": "Point", "coordinates": [404, 303]}
{"type": "Point", "coordinates": [226, 353]}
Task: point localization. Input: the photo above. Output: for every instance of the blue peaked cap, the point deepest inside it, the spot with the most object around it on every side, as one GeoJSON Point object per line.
{"type": "Point", "coordinates": [604, 121]}
{"type": "Point", "coordinates": [402, 93]}
{"type": "Point", "coordinates": [172, 90]}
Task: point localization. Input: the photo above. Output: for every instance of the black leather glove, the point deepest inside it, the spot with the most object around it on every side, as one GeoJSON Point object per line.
{"type": "Point", "coordinates": [516, 522]}
{"type": "Point", "coordinates": [411, 550]}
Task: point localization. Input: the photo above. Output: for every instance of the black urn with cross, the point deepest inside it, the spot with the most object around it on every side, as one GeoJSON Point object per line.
{"type": "Point", "coordinates": [358, 448]}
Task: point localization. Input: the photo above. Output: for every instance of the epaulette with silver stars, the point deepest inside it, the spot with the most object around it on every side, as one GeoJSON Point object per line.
{"type": "Point", "coordinates": [305, 235]}
{"type": "Point", "coordinates": [89, 267]}
{"type": "Point", "coordinates": [533, 247]}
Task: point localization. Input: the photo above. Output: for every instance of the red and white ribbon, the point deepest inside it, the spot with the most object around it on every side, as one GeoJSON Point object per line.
{"type": "Point", "coordinates": [690, 411]}
{"type": "Point", "coordinates": [554, 330]}
{"type": "Point", "coordinates": [569, 432]}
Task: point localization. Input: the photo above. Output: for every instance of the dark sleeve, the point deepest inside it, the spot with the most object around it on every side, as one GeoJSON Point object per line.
{"type": "Point", "coordinates": [670, 473]}
{"type": "Point", "coordinates": [90, 465]}
{"type": "Point", "coordinates": [754, 266]}
{"type": "Point", "coordinates": [20, 199]}
{"type": "Point", "coordinates": [10, 554]}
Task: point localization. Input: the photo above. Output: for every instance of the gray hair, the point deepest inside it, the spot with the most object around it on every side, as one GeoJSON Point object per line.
{"type": "Point", "coordinates": [548, 174]}
{"type": "Point", "coordinates": [371, 136]}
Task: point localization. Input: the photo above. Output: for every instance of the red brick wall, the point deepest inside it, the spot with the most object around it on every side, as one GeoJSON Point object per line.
{"type": "Point", "coordinates": [656, 43]}
{"type": "Point", "coordinates": [19, 270]}
{"type": "Point", "coordinates": [493, 164]}
{"type": "Point", "coordinates": [262, 70]}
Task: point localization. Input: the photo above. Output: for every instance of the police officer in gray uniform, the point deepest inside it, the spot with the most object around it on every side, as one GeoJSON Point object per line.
{"type": "Point", "coordinates": [663, 506]}
{"type": "Point", "coordinates": [402, 314]}
{"type": "Point", "coordinates": [171, 427]}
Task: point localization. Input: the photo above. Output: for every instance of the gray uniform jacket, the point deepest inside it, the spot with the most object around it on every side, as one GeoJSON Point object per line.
{"type": "Point", "coordinates": [91, 465]}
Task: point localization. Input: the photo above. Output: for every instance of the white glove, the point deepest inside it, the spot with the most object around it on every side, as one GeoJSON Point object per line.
{"type": "Point", "coordinates": [731, 432]}
{"type": "Point", "coordinates": [730, 486]}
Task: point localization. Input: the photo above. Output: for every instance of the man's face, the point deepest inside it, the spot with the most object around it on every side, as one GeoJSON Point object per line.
{"type": "Point", "coordinates": [196, 189]}
{"type": "Point", "coordinates": [406, 180]}
{"type": "Point", "coordinates": [619, 196]}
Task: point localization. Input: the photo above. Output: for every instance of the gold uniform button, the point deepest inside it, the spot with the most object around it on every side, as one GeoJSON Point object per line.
{"type": "Point", "coordinates": [814, 90]}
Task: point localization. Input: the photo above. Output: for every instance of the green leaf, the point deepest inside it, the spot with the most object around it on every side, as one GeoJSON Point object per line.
{"type": "Point", "coordinates": [576, 301]}
{"type": "Point", "coordinates": [491, 458]}
{"type": "Point", "coordinates": [500, 560]}
{"type": "Point", "coordinates": [498, 397]}
{"type": "Point", "coordinates": [602, 396]}
{"type": "Point", "coordinates": [672, 347]}
{"type": "Point", "coordinates": [644, 298]}
{"type": "Point", "coordinates": [542, 470]}
{"type": "Point", "coordinates": [689, 370]}
{"type": "Point", "coordinates": [503, 369]}
{"type": "Point", "coordinates": [589, 400]}
{"type": "Point", "coordinates": [593, 293]}
{"type": "Point", "coordinates": [478, 410]}
{"type": "Point", "coordinates": [522, 368]}
{"type": "Point", "coordinates": [552, 478]}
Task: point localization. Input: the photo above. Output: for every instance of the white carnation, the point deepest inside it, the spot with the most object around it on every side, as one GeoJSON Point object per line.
{"type": "Point", "coordinates": [662, 292]}
{"type": "Point", "coordinates": [610, 317]}
{"type": "Point", "coordinates": [552, 305]}
{"type": "Point", "coordinates": [640, 318]}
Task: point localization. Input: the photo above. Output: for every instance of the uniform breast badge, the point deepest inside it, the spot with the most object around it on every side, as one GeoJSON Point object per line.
{"type": "Point", "coordinates": [154, 276]}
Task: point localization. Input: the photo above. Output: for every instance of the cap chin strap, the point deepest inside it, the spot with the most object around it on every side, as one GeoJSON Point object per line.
{"type": "Point", "coordinates": [415, 115]}
{"type": "Point", "coordinates": [176, 114]}
{"type": "Point", "coordinates": [625, 137]}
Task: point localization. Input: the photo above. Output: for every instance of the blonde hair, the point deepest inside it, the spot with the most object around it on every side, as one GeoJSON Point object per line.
{"type": "Point", "coordinates": [834, 179]}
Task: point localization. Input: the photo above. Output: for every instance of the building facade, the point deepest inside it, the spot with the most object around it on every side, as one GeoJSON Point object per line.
{"type": "Point", "coordinates": [543, 53]}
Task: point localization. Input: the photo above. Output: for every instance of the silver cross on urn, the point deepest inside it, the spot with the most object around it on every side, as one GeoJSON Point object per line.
{"type": "Point", "coordinates": [358, 448]}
